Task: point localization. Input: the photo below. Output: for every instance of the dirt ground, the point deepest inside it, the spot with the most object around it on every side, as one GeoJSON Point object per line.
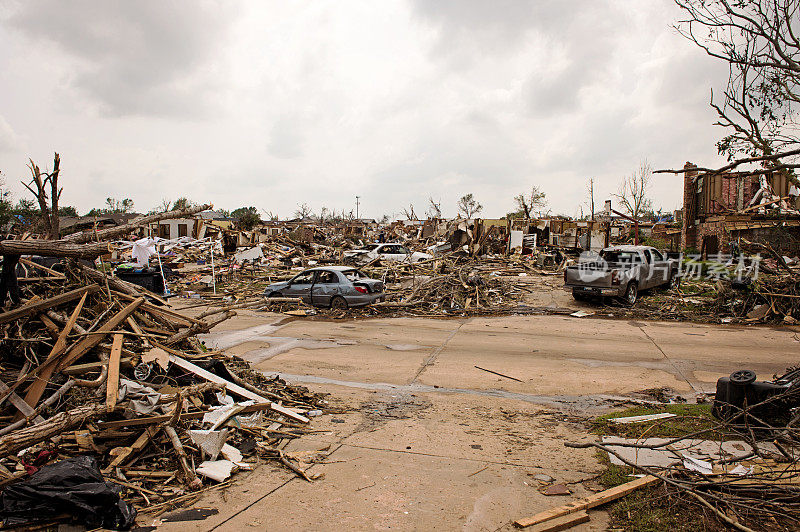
{"type": "Point", "coordinates": [426, 441]}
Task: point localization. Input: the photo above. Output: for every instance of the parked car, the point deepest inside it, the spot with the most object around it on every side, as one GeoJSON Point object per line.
{"type": "Point", "coordinates": [621, 271]}
{"type": "Point", "coordinates": [389, 252]}
{"type": "Point", "coordinates": [338, 287]}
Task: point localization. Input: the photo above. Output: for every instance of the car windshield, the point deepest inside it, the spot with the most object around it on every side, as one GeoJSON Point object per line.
{"type": "Point", "coordinates": [353, 275]}
{"type": "Point", "coordinates": [620, 256]}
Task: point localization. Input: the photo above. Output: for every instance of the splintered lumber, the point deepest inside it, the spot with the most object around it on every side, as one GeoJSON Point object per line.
{"type": "Point", "coordinates": [24, 408]}
{"type": "Point", "coordinates": [36, 389]}
{"type": "Point", "coordinates": [122, 454]}
{"type": "Point", "coordinates": [198, 328]}
{"type": "Point", "coordinates": [45, 304]}
{"type": "Point", "coordinates": [562, 523]}
{"type": "Point", "coordinates": [189, 476]}
{"type": "Point", "coordinates": [79, 349]}
{"type": "Point", "coordinates": [63, 421]}
{"type": "Point", "coordinates": [54, 248]}
{"type": "Point", "coordinates": [207, 375]}
{"type": "Point", "coordinates": [112, 383]}
{"type": "Point", "coordinates": [587, 503]}
{"type": "Point", "coordinates": [166, 417]}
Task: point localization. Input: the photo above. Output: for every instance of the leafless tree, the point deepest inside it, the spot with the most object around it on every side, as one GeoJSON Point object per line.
{"type": "Point", "coordinates": [632, 193]}
{"type": "Point", "coordinates": [48, 201]}
{"type": "Point", "coordinates": [269, 215]}
{"type": "Point", "coordinates": [409, 212]}
{"type": "Point", "coordinates": [324, 215]}
{"type": "Point", "coordinates": [531, 204]}
{"type": "Point", "coordinates": [591, 197]}
{"type": "Point", "coordinates": [303, 211]}
{"type": "Point", "coordinates": [469, 206]}
{"type": "Point", "coordinates": [759, 41]}
{"type": "Point", "coordinates": [434, 208]}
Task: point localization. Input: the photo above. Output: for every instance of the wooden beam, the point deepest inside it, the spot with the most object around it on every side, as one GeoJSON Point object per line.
{"type": "Point", "coordinates": [45, 370]}
{"type": "Point", "coordinates": [587, 503]}
{"type": "Point", "coordinates": [207, 375]}
{"type": "Point", "coordinates": [562, 523]}
{"type": "Point", "coordinates": [112, 382]}
{"type": "Point", "coordinates": [23, 407]}
{"type": "Point", "coordinates": [82, 347]}
{"type": "Point", "coordinates": [45, 304]}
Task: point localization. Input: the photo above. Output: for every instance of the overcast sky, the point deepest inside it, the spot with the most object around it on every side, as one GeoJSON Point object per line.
{"type": "Point", "coordinates": [273, 104]}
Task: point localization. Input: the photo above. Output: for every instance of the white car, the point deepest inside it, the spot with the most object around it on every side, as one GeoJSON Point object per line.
{"type": "Point", "coordinates": [389, 252]}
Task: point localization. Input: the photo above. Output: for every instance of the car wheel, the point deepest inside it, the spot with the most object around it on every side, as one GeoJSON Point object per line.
{"type": "Point", "coordinates": [673, 281]}
{"type": "Point", "coordinates": [338, 303]}
{"type": "Point", "coordinates": [578, 296]}
{"type": "Point", "coordinates": [743, 377]}
{"type": "Point", "coordinates": [274, 294]}
{"type": "Point", "coordinates": [631, 294]}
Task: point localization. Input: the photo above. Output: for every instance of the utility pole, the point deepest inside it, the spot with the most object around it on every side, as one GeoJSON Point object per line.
{"type": "Point", "coordinates": [357, 217]}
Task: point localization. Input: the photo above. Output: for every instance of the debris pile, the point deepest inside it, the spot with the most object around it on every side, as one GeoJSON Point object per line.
{"type": "Point", "coordinates": [112, 405]}
{"type": "Point", "coordinates": [740, 468]}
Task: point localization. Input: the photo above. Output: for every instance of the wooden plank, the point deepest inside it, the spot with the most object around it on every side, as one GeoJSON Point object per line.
{"type": "Point", "coordinates": [23, 407]}
{"type": "Point", "coordinates": [45, 371]}
{"type": "Point", "coordinates": [640, 419]}
{"type": "Point", "coordinates": [121, 454]}
{"type": "Point", "coordinates": [112, 381]}
{"type": "Point", "coordinates": [80, 369]}
{"type": "Point", "coordinates": [55, 274]}
{"type": "Point", "coordinates": [562, 523]}
{"type": "Point", "coordinates": [92, 340]}
{"type": "Point", "coordinates": [207, 375]}
{"type": "Point", "coordinates": [160, 419]}
{"type": "Point", "coordinates": [160, 310]}
{"type": "Point", "coordinates": [289, 413]}
{"type": "Point", "coordinates": [46, 304]}
{"type": "Point", "coordinates": [587, 503]}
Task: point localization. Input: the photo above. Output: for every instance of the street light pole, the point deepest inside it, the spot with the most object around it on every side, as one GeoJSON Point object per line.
{"type": "Point", "coordinates": [357, 217]}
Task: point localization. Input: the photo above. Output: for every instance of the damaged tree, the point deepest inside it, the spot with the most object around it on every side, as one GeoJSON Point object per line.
{"type": "Point", "coordinates": [758, 40]}
{"type": "Point", "coordinates": [632, 193]}
{"type": "Point", "coordinates": [48, 201]}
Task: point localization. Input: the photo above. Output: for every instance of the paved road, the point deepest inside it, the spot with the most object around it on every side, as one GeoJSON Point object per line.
{"type": "Point", "coordinates": [427, 441]}
{"type": "Point", "coordinates": [547, 355]}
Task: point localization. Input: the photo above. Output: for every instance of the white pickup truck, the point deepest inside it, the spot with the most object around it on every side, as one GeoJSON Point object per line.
{"type": "Point", "coordinates": [620, 271]}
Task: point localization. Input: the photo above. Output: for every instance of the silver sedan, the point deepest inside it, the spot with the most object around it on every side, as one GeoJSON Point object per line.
{"type": "Point", "coordinates": [338, 287]}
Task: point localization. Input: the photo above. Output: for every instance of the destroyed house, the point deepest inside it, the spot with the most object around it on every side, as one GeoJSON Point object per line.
{"type": "Point", "coordinates": [721, 208]}
{"type": "Point", "coordinates": [195, 227]}
{"type": "Point", "coordinates": [76, 224]}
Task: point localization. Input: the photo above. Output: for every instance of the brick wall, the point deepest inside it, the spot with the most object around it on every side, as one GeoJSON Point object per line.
{"type": "Point", "coordinates": [688, 229]}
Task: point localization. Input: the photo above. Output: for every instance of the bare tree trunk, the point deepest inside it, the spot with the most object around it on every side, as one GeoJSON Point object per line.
{"type": "Point", "coordinates": [21, 439]}
{"type": "Point", "coordinates": [113, 232]}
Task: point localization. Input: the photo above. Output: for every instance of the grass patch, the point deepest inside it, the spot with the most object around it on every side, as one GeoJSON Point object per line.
{"type": "Point", "coordinates": [690, 418]}
{"type": "Point", "coordinates": [652, 508]}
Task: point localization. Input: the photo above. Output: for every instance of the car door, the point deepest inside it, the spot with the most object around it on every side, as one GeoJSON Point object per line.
{"type": "Point", "coordinates": [389, 252]}
{"type": "Point", "coordinates": [300, 286]}
{"type": "Point", "coordinates": [405, 253]}
{"type": "Point", "coordinates": [325, 287]}
{"type": "Point", "coordinates": [660, 268]}
{"type": "Point", "coordinates": [646, 270]}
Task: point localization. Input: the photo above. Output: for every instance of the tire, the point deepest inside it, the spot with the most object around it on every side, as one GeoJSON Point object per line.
{"type": "Point", "coordinates": [743, 377]}
{"type": "Point", "coordinates": [338, 303]}
{"type": "Point", "coordinates": [673, 282]}
{"type": "Point", "coordinates": [274, 294]}
{"type": "Point", "coordinates": [578, 296]}
{"type": "Point", "coordinates": [631, 294]}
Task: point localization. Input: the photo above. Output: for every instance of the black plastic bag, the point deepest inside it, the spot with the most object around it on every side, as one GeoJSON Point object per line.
{"type": "Point", "coordinates": [73, 486]}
